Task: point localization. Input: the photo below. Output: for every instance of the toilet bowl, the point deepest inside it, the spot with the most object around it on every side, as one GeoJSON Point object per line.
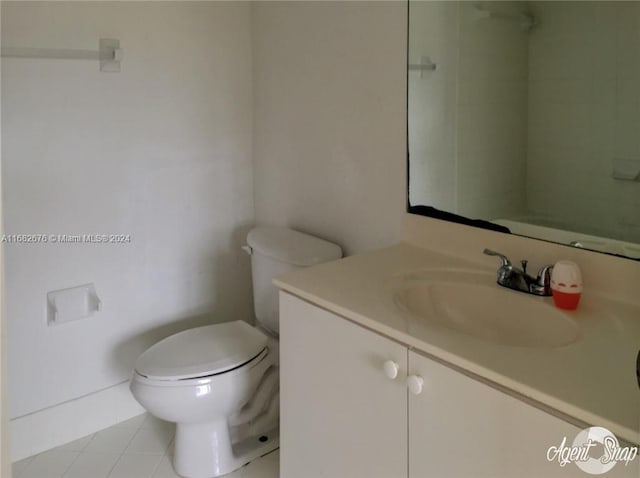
{"type": "Point", "coordinates": [219, 383]}
{"type": "Point", "coordinates": [198, 379]}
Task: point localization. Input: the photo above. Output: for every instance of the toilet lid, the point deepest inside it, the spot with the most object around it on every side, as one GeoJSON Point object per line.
{"type": "Point", "coordinates": [201, 351]}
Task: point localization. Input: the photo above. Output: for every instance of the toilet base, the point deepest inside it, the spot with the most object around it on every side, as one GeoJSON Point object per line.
{"type": "Point", "coordinates": [204, 450]}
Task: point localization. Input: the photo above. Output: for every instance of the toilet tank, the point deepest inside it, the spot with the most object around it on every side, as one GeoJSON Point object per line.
{"type": "Point", "coordinates": [274, 251]}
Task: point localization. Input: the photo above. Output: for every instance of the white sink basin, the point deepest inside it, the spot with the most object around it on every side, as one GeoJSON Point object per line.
{"type": "Point", "coordinates": [470, 302]}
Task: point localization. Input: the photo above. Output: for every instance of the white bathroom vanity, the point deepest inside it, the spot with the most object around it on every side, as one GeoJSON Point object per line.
{"type": "Point", "coordinates": [375, 386]}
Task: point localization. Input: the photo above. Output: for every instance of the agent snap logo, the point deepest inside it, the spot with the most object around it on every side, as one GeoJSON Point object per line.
{"type": "Point", "coordinates": [592, 441]}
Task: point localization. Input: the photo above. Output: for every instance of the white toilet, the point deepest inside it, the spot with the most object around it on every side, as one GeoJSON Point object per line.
{"type": "Point", "coordinates": [219, 383]}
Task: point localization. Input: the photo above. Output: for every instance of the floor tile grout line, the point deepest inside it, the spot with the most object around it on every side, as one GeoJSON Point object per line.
{"type": "Point", "coordinates": [79, 451]}
{"type": "Point", "coordinates": [166, 454]}
{"type": "Point", "coordinates": [149, 453]}
{"type": "Point", "coordinates": [82, 450]}
{"type": "Point", "coordinates": [156, 466]}
{"type": "Point", "coordinates": [90, 453]}
{"type": "Point", "coordinates": [33, 457]}
{"type": "Point", "coordinates": [93, 435]}
{"type": "Point", "coordinates": [115, 463]}
{"type": "Point", "coordinates": [124, 451]}
{"type": "Point", "coordinates": [155, 469]}
{"type": "Point", "coordinates": [69, 465]}
{"type": "Point", "coordinates": [30, 458]}
{"type": "Point", "coordinates": [171, 440]}
{"type": "Point", "coordinates": [57, 448]}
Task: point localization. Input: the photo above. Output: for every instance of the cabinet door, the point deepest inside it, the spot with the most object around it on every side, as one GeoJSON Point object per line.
{"type": "Point", "coordinates": [341, 416]}
{"type": "Point", "coordinates": [460, 427]}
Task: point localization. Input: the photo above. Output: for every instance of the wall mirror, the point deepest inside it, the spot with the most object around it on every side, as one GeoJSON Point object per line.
{"type": "Point", "coordinates": [526, 115]}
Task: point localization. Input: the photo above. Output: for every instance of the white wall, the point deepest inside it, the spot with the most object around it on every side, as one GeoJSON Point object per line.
{"type": "Point", "coordinates": [161, 151]}
{"type": "Point", "coordinates": [329, 119]}
{"type": "Point", "coordinates": [584, 111]}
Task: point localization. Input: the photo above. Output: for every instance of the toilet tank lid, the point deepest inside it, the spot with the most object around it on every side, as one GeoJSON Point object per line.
{"type": "Point", "coordinates": [201, 351]}
{"type": "Point", "coordinates": [292, 247]}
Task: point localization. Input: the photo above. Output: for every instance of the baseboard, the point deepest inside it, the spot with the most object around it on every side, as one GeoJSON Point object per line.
{"type": "Point", "coordinates": [68, 421]}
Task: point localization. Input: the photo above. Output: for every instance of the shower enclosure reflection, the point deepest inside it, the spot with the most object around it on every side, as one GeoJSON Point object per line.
{"type": "Point", "coordinates": [531, 118]}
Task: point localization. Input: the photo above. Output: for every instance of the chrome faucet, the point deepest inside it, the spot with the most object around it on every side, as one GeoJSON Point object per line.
{"type": "Point", "coordinates": [518, 279]}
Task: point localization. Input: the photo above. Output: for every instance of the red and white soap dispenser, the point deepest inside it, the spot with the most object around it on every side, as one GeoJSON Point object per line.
{"type": "Point", "coordinates": [566, 285]}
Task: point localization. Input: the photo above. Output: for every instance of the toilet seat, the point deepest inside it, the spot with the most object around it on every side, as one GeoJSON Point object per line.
{"type": "Point", "coordinates": [201, 352]}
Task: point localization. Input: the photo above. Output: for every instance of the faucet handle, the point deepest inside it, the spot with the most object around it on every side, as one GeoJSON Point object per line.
{"type": "Point", "coordinates": [505, 262]}
{"type": "Point", "coordinates": [543, 281]}
{"type": "Point", "coordinates": [544, 275]}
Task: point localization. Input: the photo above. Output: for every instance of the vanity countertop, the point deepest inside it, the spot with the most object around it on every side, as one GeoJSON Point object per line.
{"type": "Point", "coordinates": [591, 382]}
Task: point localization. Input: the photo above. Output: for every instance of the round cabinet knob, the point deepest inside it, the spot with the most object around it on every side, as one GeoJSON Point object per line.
{"type": "Point", "coordinates": [391, 369]}
{"type": "Point", "coordinates": [415, 384]}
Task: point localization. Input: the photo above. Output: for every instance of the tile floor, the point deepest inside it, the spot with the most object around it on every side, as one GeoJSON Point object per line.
{"type": "Point", "coordinates": [138, 448]}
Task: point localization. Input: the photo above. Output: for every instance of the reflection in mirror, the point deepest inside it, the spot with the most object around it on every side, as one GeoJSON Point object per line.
{"type": "Point", "coordinates": [528, 116]}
